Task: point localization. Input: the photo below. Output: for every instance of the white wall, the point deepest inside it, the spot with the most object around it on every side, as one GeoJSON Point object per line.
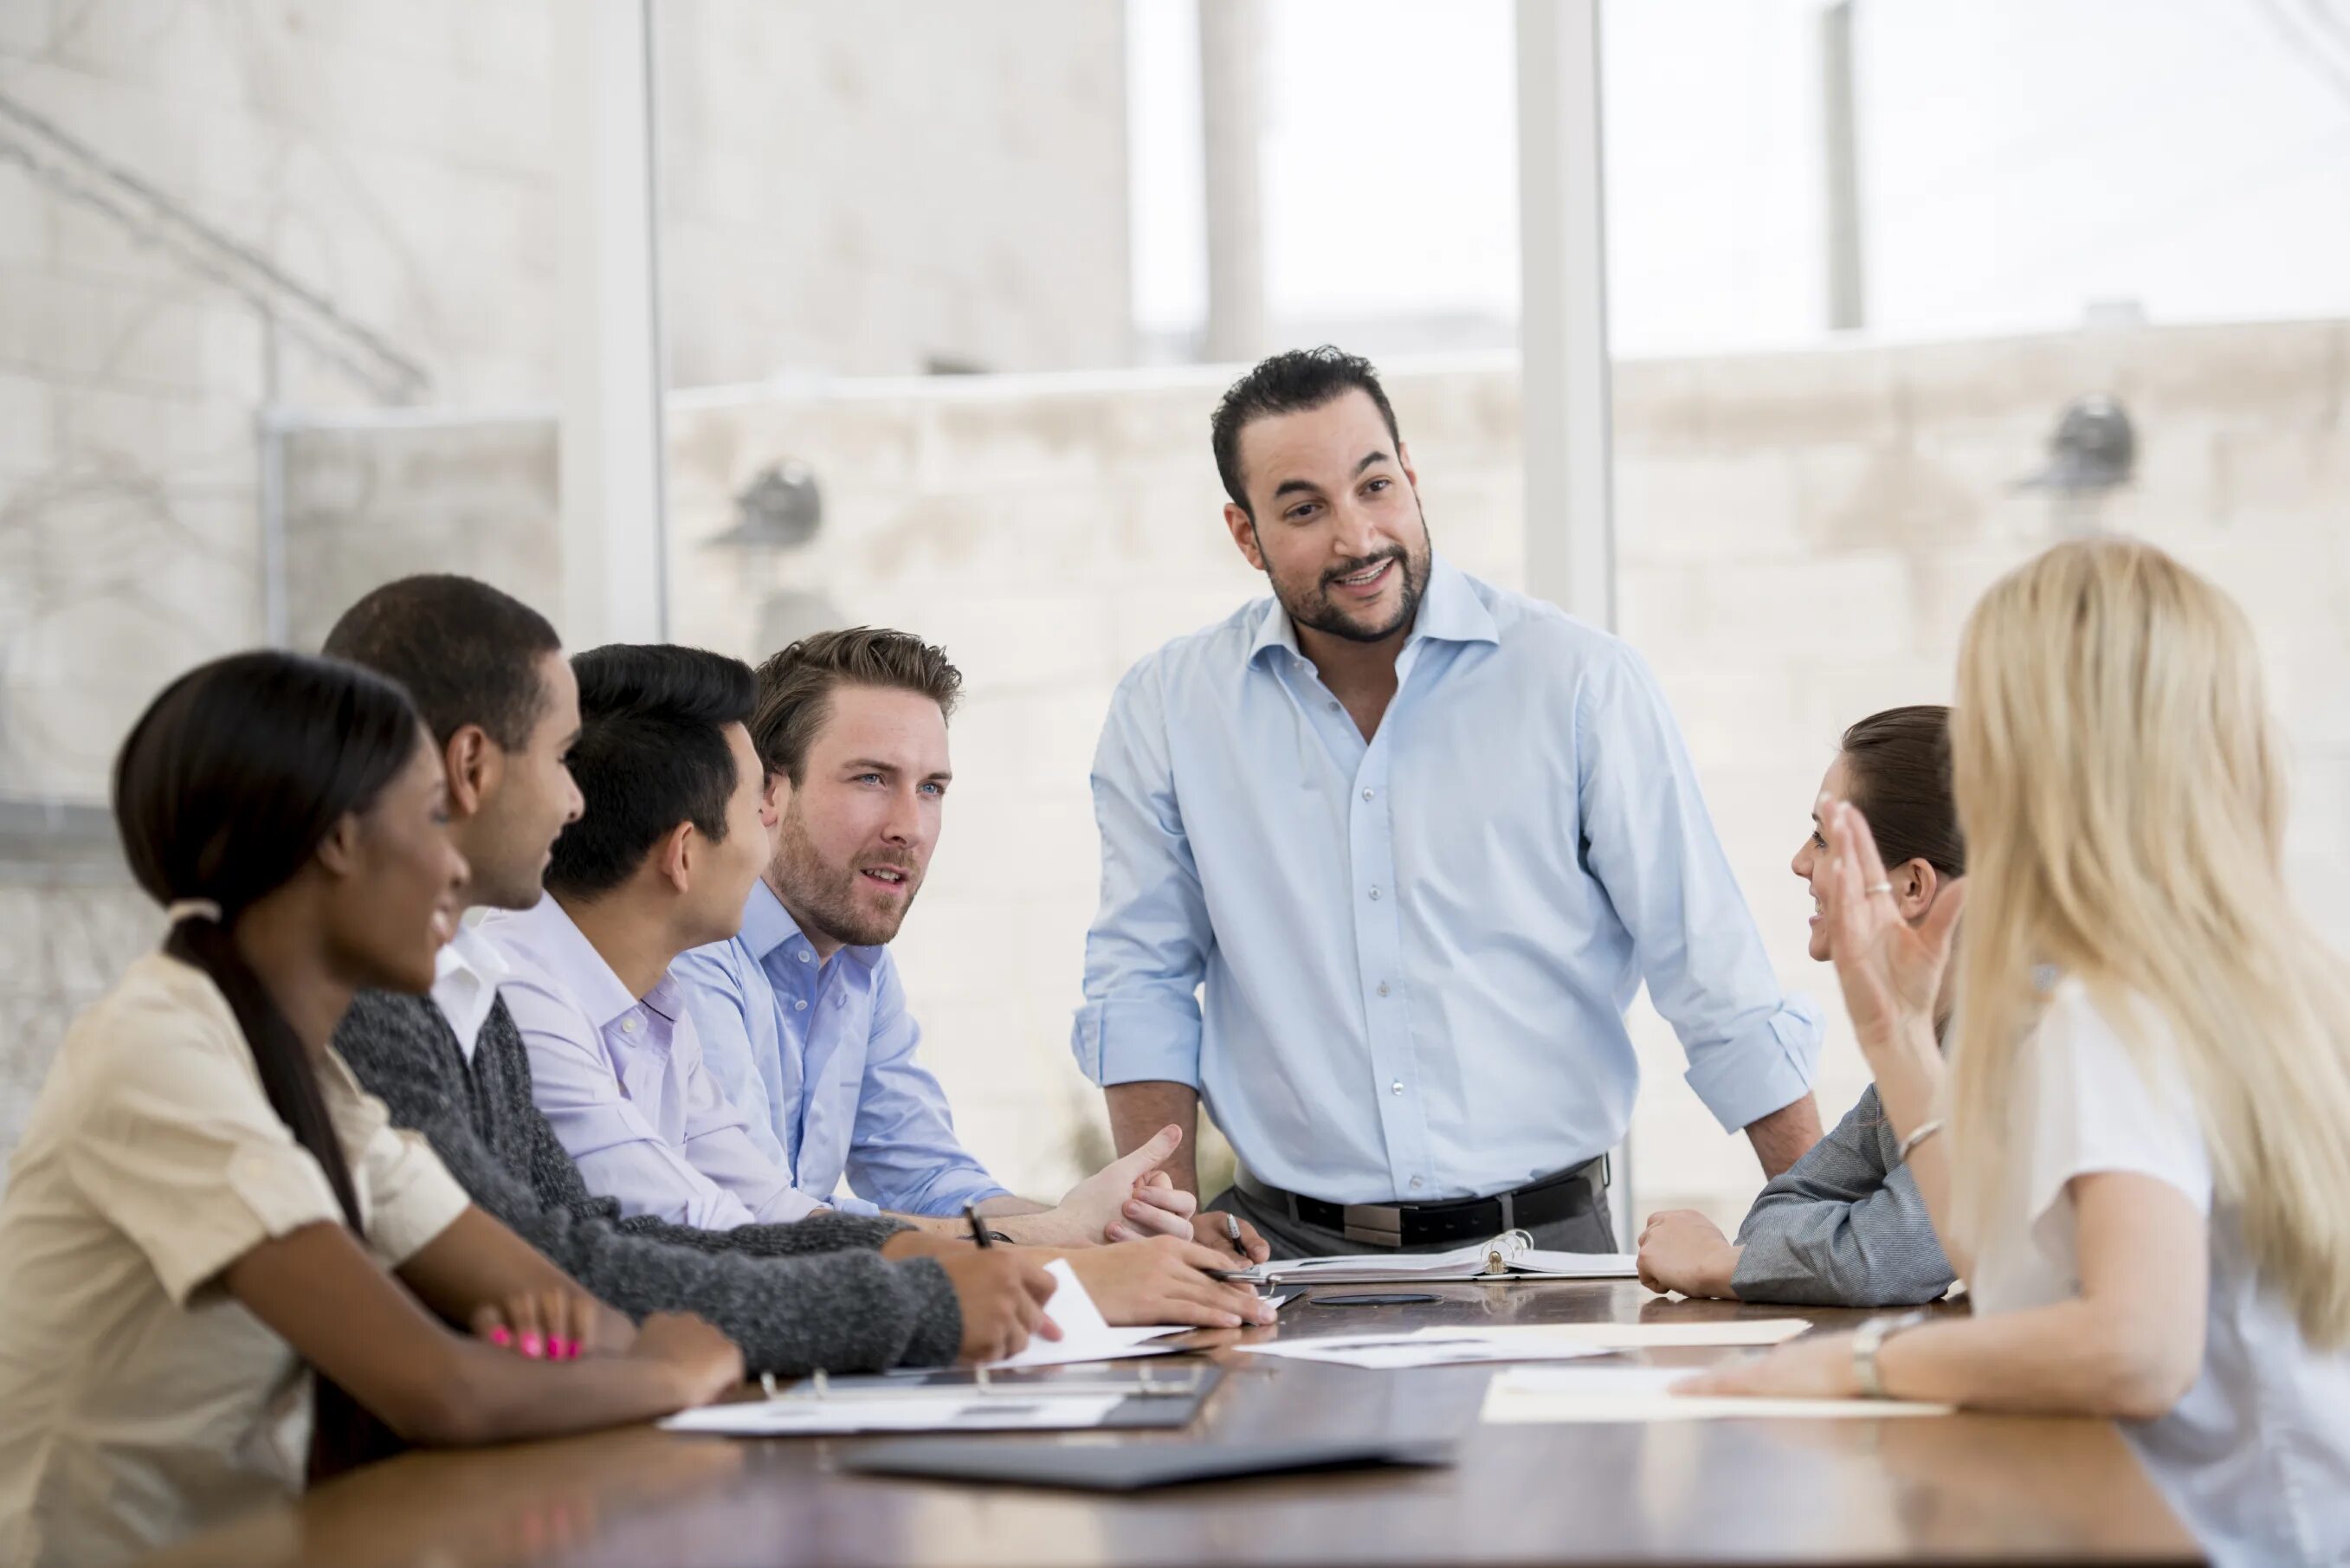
{"type": "Point", "coordinates": [848, 189]}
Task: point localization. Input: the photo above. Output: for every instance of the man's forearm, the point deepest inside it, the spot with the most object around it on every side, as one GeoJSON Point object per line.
{"type": "Point", "coordinates": [1137, 1112]}
{"type": "Point", "coordinates": [1785, 1135]}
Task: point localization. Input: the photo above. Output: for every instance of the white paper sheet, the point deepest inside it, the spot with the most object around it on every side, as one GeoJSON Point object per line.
{"type": "Point", "coordinates": [851, 1413]}
{"type": "Point", "coordinates": [1552, 1395]}
{"type": "Point", "coordinates": [1467, 1263]}
{"type": "Point", "coordinates": [1425, 1348]}
{"type": "Point", "coordinates": [1085, 1336]}
{"type": "Point", "coordinates": [1733, 1331]}
{"type": "Point", "coordinates": [1539, 1264]}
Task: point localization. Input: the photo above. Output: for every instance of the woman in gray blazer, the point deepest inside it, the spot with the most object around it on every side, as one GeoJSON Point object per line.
{"type": "Point", "coordinates": [1844, 1226]}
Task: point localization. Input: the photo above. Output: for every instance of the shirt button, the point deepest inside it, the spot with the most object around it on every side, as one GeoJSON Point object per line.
{"type": "Point", "coordinates": [839, 999]}
{"type": "Point", "coordinates": [1415, 1184]}
{"type": "Point", "coordinates": [800, 1004]}
{"type": "Point", "coordinates": [1374, 895]}
{"type": "Point", "coordinates": [1383, 988]}
{"type": "Point", "coordinates": [1396, 1088]}
{"type": "Point", "coordinates": [1334, 707]}
{"type": "Point", "coordinates": [1366, 795]}
{"type": "Point", "coordinates": [806, 957]}
{"type": "Point", "coordinates": [631, 1025]}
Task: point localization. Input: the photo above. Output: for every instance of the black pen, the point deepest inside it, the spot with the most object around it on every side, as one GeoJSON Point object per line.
{"type": "Point", "coordinates": [1232, 1229]}
{"type": "Point", "coordinates": [978, 1231]}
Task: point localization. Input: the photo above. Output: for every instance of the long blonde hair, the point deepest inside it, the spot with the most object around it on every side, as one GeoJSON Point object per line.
{"type": "Point", "coordinates": [2123, 799]}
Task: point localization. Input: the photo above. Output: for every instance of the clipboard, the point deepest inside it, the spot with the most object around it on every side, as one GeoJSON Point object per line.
{"type": "Point", "coordinates": [1145, 1396]}
{"type": "Point", "coordinates": [1153, 1396]}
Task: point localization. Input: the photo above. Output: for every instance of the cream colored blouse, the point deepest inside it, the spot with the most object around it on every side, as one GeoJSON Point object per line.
{"type": "Point", "coordinates": [141, 1400]}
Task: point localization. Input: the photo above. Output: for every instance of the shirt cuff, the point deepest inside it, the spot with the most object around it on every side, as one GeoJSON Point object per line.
{"type": "Point", "coordinates": [1138, 1040]}
{"type": "Point", "coordinates": [847, 1203]}
{"type": "Point", "coordinates": [1764, 1069]}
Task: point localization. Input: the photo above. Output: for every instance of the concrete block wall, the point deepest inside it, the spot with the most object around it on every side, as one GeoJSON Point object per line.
{"type": "Point", "coordinates": [1799, 538]}
{"type": "Point", "coordinates": [950, 179]}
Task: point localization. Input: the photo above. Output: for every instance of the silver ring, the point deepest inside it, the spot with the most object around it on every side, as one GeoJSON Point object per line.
{"type": "Point", "coordinates": [1877, 888]}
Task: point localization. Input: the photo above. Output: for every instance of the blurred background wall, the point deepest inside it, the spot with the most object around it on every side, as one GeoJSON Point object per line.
{"type": "Point", "coordinates": [936, 288]}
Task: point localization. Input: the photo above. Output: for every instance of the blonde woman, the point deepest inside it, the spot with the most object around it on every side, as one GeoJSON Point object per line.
{"type": "Point", "coordinates": [2139, 1155]}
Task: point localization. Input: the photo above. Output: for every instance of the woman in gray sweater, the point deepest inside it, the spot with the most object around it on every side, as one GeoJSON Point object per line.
{"type": "Point", "coordinates": [1844, 1226]}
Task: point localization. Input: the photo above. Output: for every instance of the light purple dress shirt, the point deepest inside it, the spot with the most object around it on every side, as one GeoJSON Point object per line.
{"type": "Point", "coordinates": [621, 1082]}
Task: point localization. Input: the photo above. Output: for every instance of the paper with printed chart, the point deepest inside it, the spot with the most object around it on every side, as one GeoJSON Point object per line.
{"type": "Point", "coordinates": [1542, 1396]}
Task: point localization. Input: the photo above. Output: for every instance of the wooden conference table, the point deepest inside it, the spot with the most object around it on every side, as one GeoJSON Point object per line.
{"type": "Point", "coordinates": [1962, 1489]}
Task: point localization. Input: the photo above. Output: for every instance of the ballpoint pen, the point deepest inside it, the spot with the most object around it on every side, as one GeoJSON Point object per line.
{"type": "Point", "coordinates": [1233, 1230]}
{"type": "Point", "coordinates": [978, 1231]}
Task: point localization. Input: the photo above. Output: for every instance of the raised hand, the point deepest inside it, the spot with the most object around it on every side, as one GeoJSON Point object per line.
{"type": "Point", "coordinates": [1891, 971]}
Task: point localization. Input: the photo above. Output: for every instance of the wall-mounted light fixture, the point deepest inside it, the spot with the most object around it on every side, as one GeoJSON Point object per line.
{"type": "Point", "coordinates": [780, 509]}
{"type": "Point", "coordinates": [2095, 449]}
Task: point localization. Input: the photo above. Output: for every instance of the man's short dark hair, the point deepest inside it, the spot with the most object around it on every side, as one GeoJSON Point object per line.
{"type": "Point", "coordinates": [1289, 383]}
{"type": "Point", "coordinates": [467, 653]}
{"type": "Point", "coordinates": [795, 686]}
{"type": "Point", "coordinates": [652, 753]}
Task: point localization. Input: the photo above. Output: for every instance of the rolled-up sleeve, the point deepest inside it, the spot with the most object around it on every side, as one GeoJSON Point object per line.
{"type": "Point", "coordinates": [1842, 1227]}
{"type": "Point", "coordinates": [1147, 948]}
{"type": "Point", "coordinates": [1752, 1048]}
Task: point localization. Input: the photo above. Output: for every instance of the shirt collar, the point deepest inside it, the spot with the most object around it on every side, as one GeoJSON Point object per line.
{"type": "Point", "coordinates": [767, 925]}
{"type": "Point", "coordinates": [560, 948]}
{"type": "Point", "coordinates": [465, 976]}
{"type": "Point", "coordinates": [1449, 611]}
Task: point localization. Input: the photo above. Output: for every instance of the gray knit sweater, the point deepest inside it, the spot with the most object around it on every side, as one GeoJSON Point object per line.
{"type": "Point", "coordinates": [794, 1297]}
{"type": "Point", "coordinates": [1844, 1226]}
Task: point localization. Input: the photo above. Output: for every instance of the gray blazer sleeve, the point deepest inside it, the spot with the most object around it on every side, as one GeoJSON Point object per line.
{"type": "Point", "coordinates": [1842, 1226]}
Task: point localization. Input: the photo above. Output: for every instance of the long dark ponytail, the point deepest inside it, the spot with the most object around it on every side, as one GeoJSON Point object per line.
{"type": "Point", "coordinates": [223, 791]}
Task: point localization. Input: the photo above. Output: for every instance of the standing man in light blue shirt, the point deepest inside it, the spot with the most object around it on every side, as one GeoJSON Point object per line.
{"type": "Point", "coordinates": [1385, 858]}
{"type": "Point", "coordinates": [802, 1016]}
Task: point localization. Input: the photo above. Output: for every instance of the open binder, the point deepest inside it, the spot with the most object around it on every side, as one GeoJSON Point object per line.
{"type": "Point", "coordinates": [1512, 1255]}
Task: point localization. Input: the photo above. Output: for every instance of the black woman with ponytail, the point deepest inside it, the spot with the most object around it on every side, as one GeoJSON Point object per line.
{"type": "Point", "coordinates": [226, 1273]}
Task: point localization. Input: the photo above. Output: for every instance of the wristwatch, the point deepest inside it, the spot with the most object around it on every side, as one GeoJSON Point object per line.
{"type": "Point", "coordinates": [1868, 1339]}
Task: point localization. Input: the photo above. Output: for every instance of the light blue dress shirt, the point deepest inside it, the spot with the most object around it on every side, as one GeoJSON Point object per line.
{"type": "Point", "coordinates": [1414, 953]}
{"type": "Point", "coordinates": [820, 1058]}
{"type": "Point", "coordinates": [621, 1082]}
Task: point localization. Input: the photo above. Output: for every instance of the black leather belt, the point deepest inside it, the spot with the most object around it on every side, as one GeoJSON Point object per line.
{"type": "Point", "coordinates": [1563, 1196]}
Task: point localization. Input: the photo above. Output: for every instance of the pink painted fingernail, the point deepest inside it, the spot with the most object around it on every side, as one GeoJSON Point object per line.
{"type": "Point", "coordinates": [566, 1349]}
{"type": "Point", "coordinates": [532, 1345]}
{"type": "Point", "coordinates": [500, 1337]}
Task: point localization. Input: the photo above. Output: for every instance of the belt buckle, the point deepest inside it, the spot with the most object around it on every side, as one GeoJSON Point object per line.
{"type": "Point", "coordinates": [1372, 1224]}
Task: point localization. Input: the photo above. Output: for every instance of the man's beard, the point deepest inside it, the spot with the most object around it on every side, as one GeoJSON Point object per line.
{"type": "Point", "coordinates": [1318, 611]}
{"type": "Point", "coordinates": [826, 896]}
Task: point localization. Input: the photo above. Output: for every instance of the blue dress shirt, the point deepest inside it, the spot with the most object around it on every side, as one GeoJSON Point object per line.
{"type": "Point", "coordinates": [820, 1058]}
{"type": "Point", "coordinates": [621, 1082]}
{"type": "Point", "coordinates": [1415, 953]}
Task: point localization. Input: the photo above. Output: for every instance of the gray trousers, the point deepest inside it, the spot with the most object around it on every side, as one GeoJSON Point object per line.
{"type": "Point", "coordinates": [1590, 1231]}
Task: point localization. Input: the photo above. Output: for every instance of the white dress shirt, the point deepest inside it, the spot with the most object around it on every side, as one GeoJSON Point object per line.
{"type": "Point", "coordinates": [465, 977]}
